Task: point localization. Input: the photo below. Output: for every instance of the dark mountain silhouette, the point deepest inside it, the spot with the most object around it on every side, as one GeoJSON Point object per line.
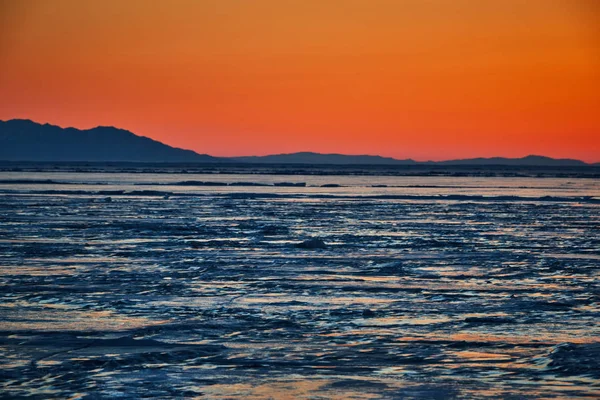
{"type": "Point", "coordinates": [25, 140]}
{"type": "Point", "coordinates": [317, 158]}
{"type": "Point", "coordinates": [531, 160]}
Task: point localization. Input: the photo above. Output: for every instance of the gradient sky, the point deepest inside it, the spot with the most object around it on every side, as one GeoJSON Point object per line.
{"type": "Point", "coordinates": [422, 79]}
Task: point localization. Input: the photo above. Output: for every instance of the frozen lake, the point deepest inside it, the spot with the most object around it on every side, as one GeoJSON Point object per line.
{"type": "Point", "coordinates": [185, 285]}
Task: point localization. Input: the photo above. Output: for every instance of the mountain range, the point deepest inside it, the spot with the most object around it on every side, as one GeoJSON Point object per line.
{"type": "Point", "coordinates": [341, 159]}
{"type": "Point", "coordinates": [307, 157]}
{"type": "Point", "coordinates": [25, 140]}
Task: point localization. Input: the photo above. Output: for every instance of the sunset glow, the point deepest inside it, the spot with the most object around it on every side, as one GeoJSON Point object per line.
{"type": "Point", "coordinates": [427, 80]}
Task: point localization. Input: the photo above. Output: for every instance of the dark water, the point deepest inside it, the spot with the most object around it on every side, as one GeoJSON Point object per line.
{"type": "Point", "coordinates": [139, 285]}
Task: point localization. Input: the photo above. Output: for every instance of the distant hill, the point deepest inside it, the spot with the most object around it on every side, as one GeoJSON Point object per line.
{"type": "Point", "coordinates": [531, 160]}
{"type": "Point", "coordinates": [25, 140]}
{"type": "Point", "coordinates": [318, 158]}
{"type": "Point", "coordinates": [340, 159]}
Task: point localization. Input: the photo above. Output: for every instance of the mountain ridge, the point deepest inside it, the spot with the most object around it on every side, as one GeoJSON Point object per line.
{"type": "Point", "coordinates": [27, 140]}
{"type": "Point", "coordinates": [323, 158]}
{"type": "Point", "coordinates": [309, 157]}
{"type": "Point", "coordinates": [531, 159]}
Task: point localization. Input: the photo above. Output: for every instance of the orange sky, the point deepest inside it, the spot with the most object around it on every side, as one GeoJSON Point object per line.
{"type": "Point", "coordinates": [423, 79]}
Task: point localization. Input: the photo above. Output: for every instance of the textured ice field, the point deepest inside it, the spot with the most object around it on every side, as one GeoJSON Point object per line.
{"type": "Point", "coordinates": [179, 285]}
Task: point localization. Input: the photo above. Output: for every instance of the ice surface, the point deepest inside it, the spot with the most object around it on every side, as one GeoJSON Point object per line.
{"type": "Point", "coordinates": [435, 288]}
